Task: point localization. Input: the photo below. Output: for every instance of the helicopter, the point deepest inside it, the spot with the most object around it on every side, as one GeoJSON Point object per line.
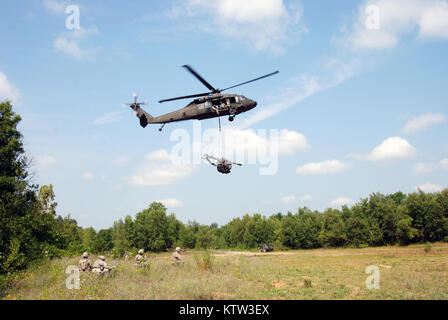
{"type": "Point", "coordinates": [207, 105]}
{"type": "Point", "coordinates": [223, 165]}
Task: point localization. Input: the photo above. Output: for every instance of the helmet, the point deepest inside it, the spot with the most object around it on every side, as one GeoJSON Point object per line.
{"type": "Point", "coordinates": [102, 258]}
{"type": "Point", "coordinates": [141, 251]}
{"type": "Point", "coordinates": [85, 255]}
{"type": "Point", "coordinates": [177, 249]}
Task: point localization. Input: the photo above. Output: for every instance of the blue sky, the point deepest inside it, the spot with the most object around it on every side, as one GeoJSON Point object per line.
{"type": "Point", "coordinates": [360, 107]}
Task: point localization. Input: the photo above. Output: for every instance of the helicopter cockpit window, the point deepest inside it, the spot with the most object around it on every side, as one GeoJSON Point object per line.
{"type": "Point", "coordinates": [232, 100]}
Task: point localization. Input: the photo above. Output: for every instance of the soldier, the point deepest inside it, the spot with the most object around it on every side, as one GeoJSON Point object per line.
{"type": "Point", "coordinates": [139, 257]}
{"type": "Point", "coordinates": [100, 266]}
{"type": "Point", "coordinates": [176, 256]}
{"type": "Point", "coordinates": [84, 264]}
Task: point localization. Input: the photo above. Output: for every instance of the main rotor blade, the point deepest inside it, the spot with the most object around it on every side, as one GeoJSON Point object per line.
{"type": "Point", "coordinates": [205, 83]}
{"type": "Point", "coordinates": [238, 164]}
{"type": "Point", "coordinates": [186, 97]}
{"type": "Point", "coordinates": [265, 76]}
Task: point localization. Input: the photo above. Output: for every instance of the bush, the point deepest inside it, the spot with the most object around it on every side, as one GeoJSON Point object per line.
{"type": "Point", "coordinates": [307, 283]}
{"type": "Point", "coordinates": [204, 260]}
{"type": "Point", "coordinates": [144, 267]}
{"type": "Point", "coordinates": [428, 247]}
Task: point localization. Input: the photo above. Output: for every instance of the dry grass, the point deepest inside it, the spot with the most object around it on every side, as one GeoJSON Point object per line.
{"type": "Point", "coordinates": [405, 273]}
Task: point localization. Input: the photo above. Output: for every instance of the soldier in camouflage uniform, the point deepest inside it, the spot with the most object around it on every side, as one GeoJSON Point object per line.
{"type": "Point", "coordinates": [100, 266]}
{"type": "Point", "coordinates": [176, 256]}
{"type": "Point", "coordinates": [84, 264]}
{"type": "Point", "coordinates": [139, 258]}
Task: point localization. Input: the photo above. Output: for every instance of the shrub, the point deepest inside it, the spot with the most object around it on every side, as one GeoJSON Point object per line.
{"type": "Point", "coordinates": [428, 247]}
{"type": "Point", "coordinates": [204, 260]}
{"type": "Point", "coordinates": [307, 283]}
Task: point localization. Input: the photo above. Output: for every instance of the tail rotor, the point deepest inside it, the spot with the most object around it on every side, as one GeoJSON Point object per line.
{"type": "Point", "coordinates": [139, 112]}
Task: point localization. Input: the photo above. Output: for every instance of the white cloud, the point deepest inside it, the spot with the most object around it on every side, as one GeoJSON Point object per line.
{"type": "Point", "coordinates": [334, 73]}
{"type": "Point", "coordinates": [392, 148]}
{"type": "Point", "coordinates": [325, 167]}
{"type": "Point", "coordinates": [7, 90]}
{"type": "Point", "coordinates": [171, 203]}
{"type": "Point", "coordinates": [341, 201]}
{"type": "Point", "coordinates": [69, 47]}
{"type": "Point", "coordinates": [291, 141]}
{"type": "Point", "coordinates": [110, 117]}
{"type": "Point", "coordinates": [398, 18]}
{"type": "Point", "coordinates": [69, 43]}
{"type": "Point", "coordinates": [261, 24]}
{"type": "Point", "coordinates": [242, 145]}
{"type": "Point", "coordinates": [87, 176]}
{"type": "Point", "coordinates": [159, 169]}
{"type": "Point", "coordinates": [429, 167]}
{"type": "Point", "coordinates": [444, 164]}
{"type": "Point", "coordinates": [161, 154]}
{"type": "Point", "coordinates": [121, 161]}
{"type": "Point", "coordinates": [423, 121]}
{"type": "Point", "coordinates": [56, 7]}
{"type": "Point", "coordinates": [289, 199]}
{"type": "Point", "coordinates": [424, 167]}
{"type": "Point", "coordinates": [306, 197]}
{"type": "Point", "coordinates": [45, 162]}
{"type": "Point", "coordinates": [434, 21]}
{"type": "Point", "coordinates": [429, 187]}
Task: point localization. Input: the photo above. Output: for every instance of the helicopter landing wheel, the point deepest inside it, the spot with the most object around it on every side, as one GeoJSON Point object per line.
{"type": "Point", "coordinates": [231, 118]}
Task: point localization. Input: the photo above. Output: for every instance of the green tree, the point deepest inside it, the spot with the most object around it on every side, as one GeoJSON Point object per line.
{"type": "Point", "coordinates": [333, 233]}
{"type": "Point", "coordinates": [46, 198]}
{"type": "Point", "coordinates": [26, 232]}
{"type": "Point", "coordinates": [151, 228]}
{"type": "Point", "coordinates": [289, 231]}
{"type": "Point", "coordinates": [120, 239]}
{"type": "Point", "coordinates": [103, 241]}
{"type": "Point", "coordinates": [405, 232]}
{"type": "Point", "coordinates": [204, 238]}
{"type": "Point", "coordinates": [88, 236]}
{"type": "Point", "coordinates": [428, 216]}
{"type": "Point", "coordinates": [174, 227]}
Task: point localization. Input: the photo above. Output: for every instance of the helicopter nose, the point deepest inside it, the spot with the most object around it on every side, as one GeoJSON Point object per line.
{"type": "Point", "coordinates": [252, 104]}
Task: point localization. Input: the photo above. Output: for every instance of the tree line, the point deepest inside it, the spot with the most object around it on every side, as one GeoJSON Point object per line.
{"type": "Point", "coordinates": [31, 229]}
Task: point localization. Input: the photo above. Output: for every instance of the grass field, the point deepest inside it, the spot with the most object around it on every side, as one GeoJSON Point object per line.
{"type": "Point", "coordinates": [405, 273]}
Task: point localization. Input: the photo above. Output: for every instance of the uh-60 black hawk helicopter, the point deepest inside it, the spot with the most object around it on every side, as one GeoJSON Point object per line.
{"type": "Point", "coordinates": [208, 105]}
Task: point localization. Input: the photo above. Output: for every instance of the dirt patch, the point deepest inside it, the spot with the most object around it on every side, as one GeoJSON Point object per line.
{"type": "Point", "coordinates": [251, 254]}
{"type": "Point", "coordinates": [278, 284]}
{"type": "Point", "coordinates": [221, 296]}
{"type": "Point", "coordinates": [353, 291]}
